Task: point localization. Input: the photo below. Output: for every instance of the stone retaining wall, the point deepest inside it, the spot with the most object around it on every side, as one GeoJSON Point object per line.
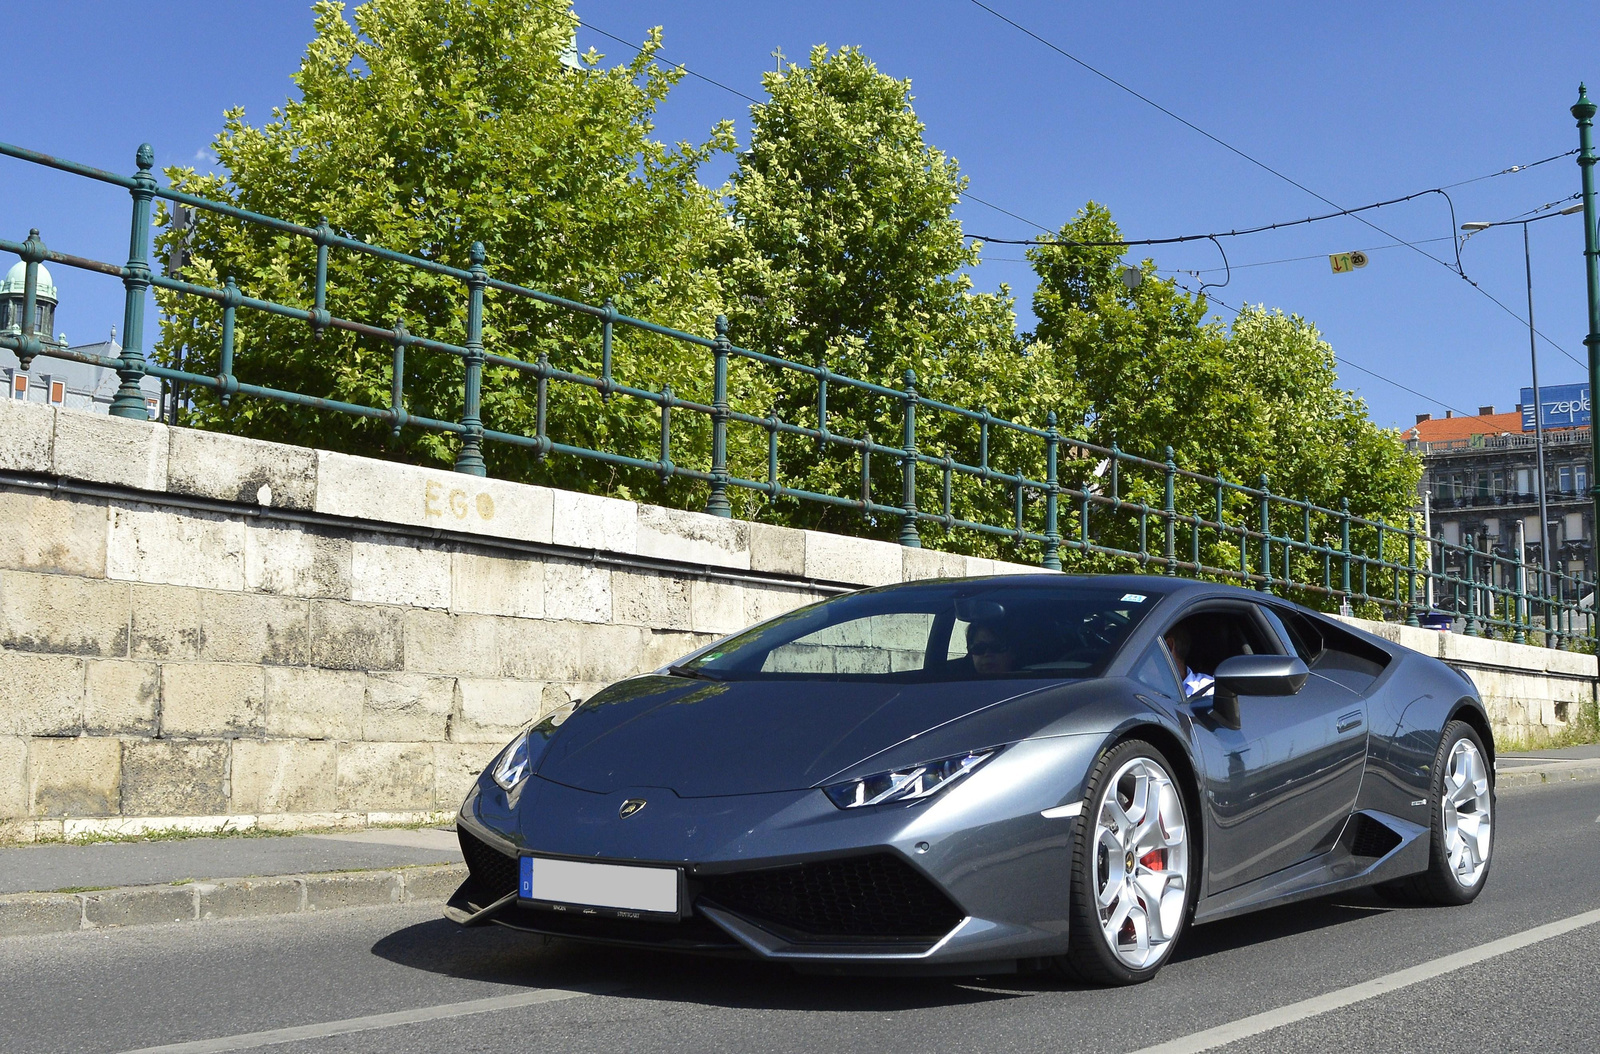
{"type": "Point", "coordinates": [203, 631]}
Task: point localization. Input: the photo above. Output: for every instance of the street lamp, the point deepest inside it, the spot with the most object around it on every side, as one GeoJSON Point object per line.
{"type": "Point", "coordinates": [1538, 404]}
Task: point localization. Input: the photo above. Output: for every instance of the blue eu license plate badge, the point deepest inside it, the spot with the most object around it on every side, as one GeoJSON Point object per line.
{"type": "Point", "coordinates": [526, 884]}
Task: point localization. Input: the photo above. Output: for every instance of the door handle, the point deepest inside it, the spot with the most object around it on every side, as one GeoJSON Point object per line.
{"type": "Point", "coordinates": [1349, 721]}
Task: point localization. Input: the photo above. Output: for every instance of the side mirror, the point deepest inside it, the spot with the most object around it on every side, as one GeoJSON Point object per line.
{"type": "Point", "coordinates": [1261, 675]}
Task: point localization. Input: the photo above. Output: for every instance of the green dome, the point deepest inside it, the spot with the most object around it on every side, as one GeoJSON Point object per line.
{"type": "Point", "coordinates": [17, 277]}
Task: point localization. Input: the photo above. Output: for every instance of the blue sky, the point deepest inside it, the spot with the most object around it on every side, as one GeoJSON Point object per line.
{"type": "Point", "coordinates": [1359, 102]}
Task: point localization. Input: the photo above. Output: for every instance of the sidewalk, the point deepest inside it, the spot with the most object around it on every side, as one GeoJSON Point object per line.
{"type": "Point", "coordinates": [57, 888]}
{"type": "Point", "coordinates": [54, 888]}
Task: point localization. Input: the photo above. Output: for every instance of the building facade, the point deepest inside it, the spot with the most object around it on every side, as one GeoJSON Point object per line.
{"type": "Point", "coordinates": [1480, 485]}
{"type": "Point", "coordinates": [60, 382]}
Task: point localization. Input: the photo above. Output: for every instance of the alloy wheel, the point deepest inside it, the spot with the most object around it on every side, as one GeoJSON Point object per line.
{"type": "Point", "coordinates": [1467, 813]}
{"type": "Point", "coordinates": [1141, 863]}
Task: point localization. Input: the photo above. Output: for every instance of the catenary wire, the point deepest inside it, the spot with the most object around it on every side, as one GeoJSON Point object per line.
{"type": "Point", "coordinates": [1457, 269]}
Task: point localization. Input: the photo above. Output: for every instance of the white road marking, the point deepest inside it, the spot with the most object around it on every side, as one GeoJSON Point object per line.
{"type": "Point", "coordinates": [1063, 812]}
{"type": "Point", "coordinates": [418, 1015]}
{"type": "Point", "coordinates": [1256, 1024]}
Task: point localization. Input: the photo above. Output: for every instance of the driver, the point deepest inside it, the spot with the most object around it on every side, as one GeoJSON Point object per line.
{"type": "Point", "coordinates": [993, 651]}
{"type": "Point", "coordinates": [1194, 683]}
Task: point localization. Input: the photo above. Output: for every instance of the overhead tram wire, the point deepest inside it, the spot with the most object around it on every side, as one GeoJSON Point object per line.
{"type": "Point", "coordinates": [1457, 269]}
{"type": "Point", "coordinates": [757, 102]}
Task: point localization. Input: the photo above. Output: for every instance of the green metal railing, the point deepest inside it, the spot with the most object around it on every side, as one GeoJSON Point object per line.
{"type": "Point", "coordinates": [1094, 507]}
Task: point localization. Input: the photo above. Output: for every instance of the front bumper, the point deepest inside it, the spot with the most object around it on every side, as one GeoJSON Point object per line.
{"type": "Point", "coordinates": [976, 877]}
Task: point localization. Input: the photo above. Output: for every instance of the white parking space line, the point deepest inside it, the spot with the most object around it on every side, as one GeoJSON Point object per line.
{"type": "Point", "coordinates": [419, 1015]}
{"type": "Point", "coordinates": [1256, 1024]}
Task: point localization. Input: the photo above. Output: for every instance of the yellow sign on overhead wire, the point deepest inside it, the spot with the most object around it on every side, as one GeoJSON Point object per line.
{"type": "Point", "coordinates": [1344, 263]}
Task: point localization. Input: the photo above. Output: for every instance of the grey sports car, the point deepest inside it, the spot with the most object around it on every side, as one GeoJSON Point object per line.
{"type": "Point", "coordinates": [978, 775]}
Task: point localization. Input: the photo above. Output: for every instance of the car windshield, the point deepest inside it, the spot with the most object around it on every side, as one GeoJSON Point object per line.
{"type": "Point", "coordinates": [943, 631]}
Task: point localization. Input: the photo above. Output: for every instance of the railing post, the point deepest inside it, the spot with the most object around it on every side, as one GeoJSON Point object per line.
{"type": "Point", "coordinates": [717, 504]}
{"type": "Point", "coordinates": [1471, 628]}
{"type": "Point", "coordinates": [1344, 548]}
{"type": "Point", "coordinates": [320, 317]}
{"type": "Point", "coordinates": [1266, 535]}
{"type": "Point", "coordinates": [1524, 615]}
{"type": "Point", "coordinates": [230, 309]}
{"type": "Point", "coordinates": [607, 323]}
{"type": "Point", "coordinates": [397, 382]}
{"type": "Point", "coordinates": [1169, 506]}
{"type": "Point", "coordinates": [1411, 573]}
{"type": "Point", "coordinates": [908, 467]}
{"type": "Point", "coordinates": [470, 460]}
{"type": "Point", "coordinates": [33, 253]}
{"type": "Point", "coordinates": [129, 400]}
{"type": "Point", "coordinates": [1052, 530]}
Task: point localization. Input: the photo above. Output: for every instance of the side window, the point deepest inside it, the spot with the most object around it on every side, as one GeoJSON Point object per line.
{"type": "Point", "coordinates": [1303, 638]}
{"type": "Point", "coordinates": [1347, 659]}
{"type": "Point", "coordinates": [1210, 636]}
{"type": "Point", "coordinates": [1154, 671]}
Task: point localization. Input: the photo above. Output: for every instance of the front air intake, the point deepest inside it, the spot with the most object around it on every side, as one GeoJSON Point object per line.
{"type": "Point", "coordinates": [493, 874]}
{"type": "Point", "coordinates": [878, 897]}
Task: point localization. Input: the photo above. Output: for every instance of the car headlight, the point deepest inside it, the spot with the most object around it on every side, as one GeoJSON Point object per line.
{"type": "Point", "coordinates": [513, 764]}
{"type": "Point", "coordinates": [912, 783]}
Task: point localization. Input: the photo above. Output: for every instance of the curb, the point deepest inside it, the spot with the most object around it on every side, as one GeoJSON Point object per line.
{"type": "Point", "coordinates": [1552, 772]}
{"type": "Point", "coordinates": [34, 913]}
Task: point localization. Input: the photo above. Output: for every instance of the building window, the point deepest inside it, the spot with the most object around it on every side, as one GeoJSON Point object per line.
{"type": "Point", "coordinates": [1522, 481]}
{"type": "Point", "coordinates": [58, 392]}
{"type": "Point", "coordinates": [1497, 483]}
{"type": "Point", "coordinates": [19, 386]}
{"type": "Point", "coordinates": [1564, 479]}
{"type": "Point", "coordinates": [1580, 476]}
{"type": "Point", "coordinates": [1483, 484]}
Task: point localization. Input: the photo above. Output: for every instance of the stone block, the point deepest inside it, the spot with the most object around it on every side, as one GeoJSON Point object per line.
{"type": "Point", "coordinates": [121, 698]}
{"type": "Point", "coordinates": [1570, 663]}
{"type": "Point", "coordinates": [233, 468]}
{"type": "Point", "coordinates": [52, 532]}
{"type": "Point", "coordinates": [254, 628]}
{"type": "Point", "coordinates": [169, 547]}
{"type": "Point", "coordinates": [282, 776]}
{"type": "Point", "coordinates": [577, 592]}
{"type": "Point", "coordinates": [1006, 567]}
{"type": "Point", "coordinates": [104, 449]}
{"type": "Point", "coordinates": [165, 623]}
{"type": "Point", "coordinates": [716, 607]}
{"type": "Point", "coordinates": [43, 696]}
{"type": "Point", "coordinates": [777, 550]}
{"type": "Point", "coordinates": [538, 650]}
{"type": "Point", "coordinates": [212, 700]}
{"type": "Point", "coordinates": [27, 432]}
{"type": "Point", "coordinates": [692, 537]}
{"type": "Point", "coordinates": [249, 897]}
{"type": "Point", "coordinates": [931, 563]}
{"type": "Point", "coordinates": [395, 570]}
{"type": "Point", "coordinates": [654, 600]}
{"type": "Point", "coordinates": [140, 906]}
{"type": "Point", "coordinates": [356, 889]}
{"type": "Point", "coordinates": [310, 703]}
{"type": "Point", "coordinates": [667, 646]}
{"type": "Point", "coordinates": [491, 711]}
{"type": "Point", "coordinates": [433, 883]}
{"type": "Point", "coordinates": [407, 707]}
{"type": "Point", "coordinates": [386, 777]}
{"type": "Point", "coordinates": [610, 653]}
{"type": "Point", "coordinates": [386, 492]}
{"type": "Point", "coordinates": [978, 567]}
{"type": "Point", "coordinates": [439, 642]}
{"type": "Point", "coordinates": [13, 777]}
{"type": "Point", "coordinates": [295, 560]}
{"type": "Point", "coordinates": [497, 585]}
{"type": "Point", "coordinates": [589, 521]}
{"type": "Point", "coordinates": [163, 777]}
{"type": "Point", "coordinates": [28, 913]}
{"type": "Point", "coordinates": [347, 636]}
{"type": "Point", "coordinates": [457, 767]}
{"type": "Point", "coordinates": [75, 777]}
{"type": "Point", "coordinates": [763, 603]}
{"type": "Point", "coordinates": [63, 614]}
{"type": "Point", "coordinates": [852, 561]}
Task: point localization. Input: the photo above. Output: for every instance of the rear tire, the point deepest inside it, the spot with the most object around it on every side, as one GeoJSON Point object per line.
{"type": "Point", "coordinates": [1462, 824]}
{"type": "Point", "coordinates": [1132, 869]}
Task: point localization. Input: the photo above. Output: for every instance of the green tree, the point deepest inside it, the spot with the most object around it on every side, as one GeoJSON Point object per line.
{"type": "Point", "coordinates": [847, 255]}
{"type": "Point", "coordinates": [426, 125]}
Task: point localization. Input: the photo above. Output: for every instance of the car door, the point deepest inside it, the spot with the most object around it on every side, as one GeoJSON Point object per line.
{"type": "Point", "coordinates": [1281, 785]}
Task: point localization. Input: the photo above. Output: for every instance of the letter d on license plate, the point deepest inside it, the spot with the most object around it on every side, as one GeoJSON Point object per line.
{"type": "Point", "coordinates": [618, 887]}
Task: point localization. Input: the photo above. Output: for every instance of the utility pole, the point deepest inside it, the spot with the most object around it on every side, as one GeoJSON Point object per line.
{"type": "Point", "coordinates": [1584, 110]}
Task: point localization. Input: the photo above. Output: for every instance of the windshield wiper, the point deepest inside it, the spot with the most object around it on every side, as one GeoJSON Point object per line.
{"type": "Point", "coordinates": [697, 674]}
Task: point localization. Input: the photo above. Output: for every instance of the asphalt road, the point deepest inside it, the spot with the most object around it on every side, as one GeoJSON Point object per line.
{"type": "Point", "coordinates": [113, 991]}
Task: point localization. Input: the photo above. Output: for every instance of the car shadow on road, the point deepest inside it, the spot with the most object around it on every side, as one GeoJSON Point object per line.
{"type": "Point", "coordinates": [501, 956]}
{"type": "Point", "coordinates": [1288, 921]}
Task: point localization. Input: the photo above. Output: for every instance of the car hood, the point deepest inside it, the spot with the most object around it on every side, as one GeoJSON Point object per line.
{"type": "Point", "coordinates": [706, 739]}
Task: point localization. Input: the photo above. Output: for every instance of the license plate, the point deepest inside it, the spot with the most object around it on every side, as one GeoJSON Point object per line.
{"type": "Point", "coordinates": [608, 888]}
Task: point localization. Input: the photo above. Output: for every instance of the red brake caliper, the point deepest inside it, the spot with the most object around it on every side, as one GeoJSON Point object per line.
{"type": "Point", "coordinates": [1155, 860]}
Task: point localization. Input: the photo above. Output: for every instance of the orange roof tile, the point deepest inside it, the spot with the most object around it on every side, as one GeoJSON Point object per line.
{"type": "Point", "coordinates": [1440, 429]}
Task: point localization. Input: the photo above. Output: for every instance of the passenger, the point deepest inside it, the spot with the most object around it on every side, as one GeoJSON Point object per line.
{"type": "Point", "coordinates": [1194, 683]}
{"type": "Point", "coordinates": [992, 650]}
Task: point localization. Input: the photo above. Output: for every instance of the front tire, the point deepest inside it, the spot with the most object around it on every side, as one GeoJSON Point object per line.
{"type": "Point", "coordinates": [1131, 871]}
{"type": "Point", "coordinates": [1462, 822]}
